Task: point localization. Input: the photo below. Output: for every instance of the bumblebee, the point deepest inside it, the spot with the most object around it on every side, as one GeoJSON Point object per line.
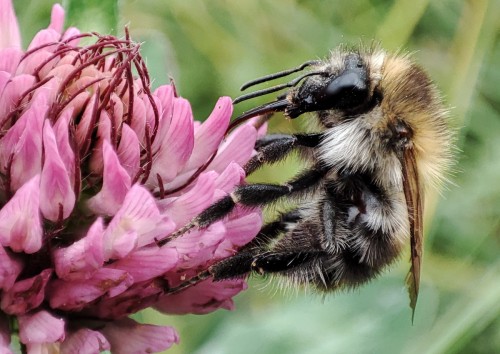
{"type": "Point", "coordinates": [383, 139]}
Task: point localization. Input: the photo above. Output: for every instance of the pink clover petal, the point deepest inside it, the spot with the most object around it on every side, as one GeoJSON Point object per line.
{"type": "Point", "coordinates": [46, 36]}
{"type": "Point", "coordinates": [262, 130]}
{"type": "Point", "coordinates": [165, 96]}
{"type": "Point", "coordinates": [119, 243]}
{"type": "Point", "coordinates": [150, 113]}
{"type": "Point", "coordinates": [76, 294]}
{"type": "Point", "coordinates": [137, 297]}
{"type": "Point", "coordinates": [42, 348]}
{"type": "Point", "coordinates": [84, 257]}
{"type": "Point", "coordinates": [84, 341]}
{"type": "Point", "coordinates": [230, 177]}
{"type": "Point", "coordinates": [138, 124]}
{"type": "Point", "coordinates": [198, 247]}
{"type": "Point", "coordinates": [57, 18]}
{"type": "Point", "coordinates": [239, 232]}
{"type": "Point", "coordinates": [57, 198]}
{"type": "Point", "coordinates": [116, 109]}
{"type": "Point", "coordinates": [139, 215]}
{"type": "Point", "coordinates": [209, 135]}
{"type": "Point", "coordinates": [9, 59]}
{"type": "Point", "coordinates": [49, 90]}
{"type": "Point", "coordinates": [26, 294]}
{"type": "Point", "coordinates": [238, 148]}
{"type": "Point", "coordinates": [129, 151]}
{"type": "Point", "coordinates": [243, 229]}
{"type": "Point", "coordinates": [10, 96]}
{"type": "Point", "coordinates": [148, 262]}
{"type": "Point", "coordinates": [70, 33]}
{"type": "Point", "coordinates": [127, 336]}
{"type": "Point", "coordinates": [191, 203]}
{"type": "Point", "coordinates": [77, 105]}
{"type": "Point", "coordinates": [116, 184]}
{"type": "Point", "coordinates": [9, 28]}
{"type": "Point", "coordinates": [23, 142]}
{"type": "Point", "coordinates": [40, 327]}
{"type": "Point", "coordinates": [202, 298]}
{"type": "Point", "coordinates": [176, 146]}
{"type": "Point", "coordinates": [139, 115]}
{"type": "Point", "coordinates": [104, 134]}
{"type": "Point", "coordinates": [10, 269]}
{"type": "Point", "coordinates": [20, 222]}
{"type": "Point", "coordinates": [4, 80]}
{"type": "Point", "coordinates": [82, 129]}
{"type": "Point", "coordinates": [14, 88]}
{"type": "Point", "coordinates": [180, 180]}
{"type": "Point", "coordinates": [62, 72]}
{"type": "Point", "coordinates": [31, 64]}
{"type": "Point", "coordinates": [61, 130]}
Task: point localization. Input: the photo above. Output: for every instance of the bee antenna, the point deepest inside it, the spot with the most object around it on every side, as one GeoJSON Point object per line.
{"type": "Point", "coordinates": [279, 74]}
{"type": "Point", "coordinates": [274, 88]}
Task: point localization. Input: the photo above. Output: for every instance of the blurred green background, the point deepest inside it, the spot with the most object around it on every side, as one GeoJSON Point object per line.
{"type": "Point", "coordinates": [211, 47]}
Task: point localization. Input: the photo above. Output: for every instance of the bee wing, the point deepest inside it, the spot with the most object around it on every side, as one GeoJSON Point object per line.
{"type": "Point", "coordinates": [411, 187]}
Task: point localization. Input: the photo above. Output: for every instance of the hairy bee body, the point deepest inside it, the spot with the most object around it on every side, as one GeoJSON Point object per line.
{"type": "Point", "coordinates": [383, 138]}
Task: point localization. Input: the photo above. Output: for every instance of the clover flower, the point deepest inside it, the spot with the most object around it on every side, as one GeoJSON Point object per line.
{"type": "Point", "coordinates": [94, 167]}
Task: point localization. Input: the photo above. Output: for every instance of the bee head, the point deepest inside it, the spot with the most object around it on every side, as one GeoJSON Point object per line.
{"type": "Point", "coordinates": [344, 87]}
{"type": "Point", "coordinates": [369, 102]}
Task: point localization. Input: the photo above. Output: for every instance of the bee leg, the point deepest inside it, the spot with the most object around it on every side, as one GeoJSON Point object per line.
{"type": "Point", "coordinates": [243, 263]}
{"type": "Point", "coordinates": [252, 195]}
{"type": "Point", "coordinates": [273, 229]}
{"type": "Point", "coordinates": [273, 262]}
{"type": "Point", "coordinates": [275, 147]}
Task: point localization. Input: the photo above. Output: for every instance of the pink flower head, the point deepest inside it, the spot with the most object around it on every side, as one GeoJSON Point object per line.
{"type": "Point", "coordinates": [94, 167]}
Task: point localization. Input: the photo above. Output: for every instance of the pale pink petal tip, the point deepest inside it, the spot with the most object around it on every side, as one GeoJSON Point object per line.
{"type": "Point", "coordinates": [85, 341]}
{"type": "Point", "coordinates": [148, 262]}
{"type": "Point", "coordinates": [177, 144]}
{"type": "Point", "coordinates": [129, 152]}
{"type": "Point", "coordinates": [84, 257]}
{"type": "Point", "coordinates": [9, 59]}
{"type": "Point", "coordinates": [20, 220]}
{"type": "Point", "coordinates": [9, 28]}
{"type": "Point", "coordinates": [128, 336]}
{"type": "Point", "coordinates": [209, 134]}
{"type": "Point", "coordinates": [136, 224]}
{"type": "Point", "coordinates": [116, 184]}
{"type": "Point", "coordinates": [188, 205]}
{"type": "Point", "coordinates": [40, 327]}
{"type": "Point", "coordinates": [202, 298]}
{"type": "Point", "coordinates": [238, 148]}
{"type": "Point", "coordinates": [57, 18]}
{"type": "Point", "coordinates": [23, 143]}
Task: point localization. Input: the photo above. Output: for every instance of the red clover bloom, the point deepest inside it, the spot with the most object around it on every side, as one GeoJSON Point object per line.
{"type": "Point", "coordinates": [94, 167]}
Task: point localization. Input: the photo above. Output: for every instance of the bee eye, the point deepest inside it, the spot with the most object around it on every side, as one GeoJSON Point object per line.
{"type": "Point", "coordinates": [347, 91]}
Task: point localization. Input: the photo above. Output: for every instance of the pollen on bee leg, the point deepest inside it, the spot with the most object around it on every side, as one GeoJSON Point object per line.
{"type": "Point", "coordinates": [186, 228]}
{"type": "Point", "coordinates": [234, 197]}
{"type": "Point", "coordinates": [259, 270]}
